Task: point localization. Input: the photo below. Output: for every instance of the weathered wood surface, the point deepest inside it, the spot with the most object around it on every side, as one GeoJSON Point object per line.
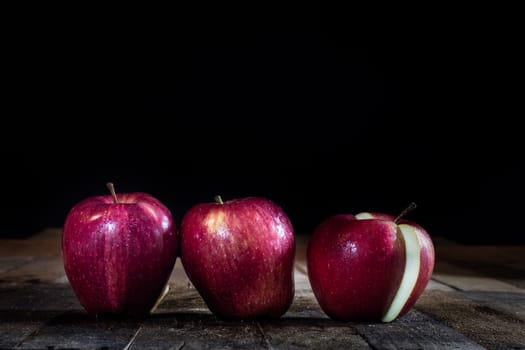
{"type": "Point", "coordinates": [475, 300]}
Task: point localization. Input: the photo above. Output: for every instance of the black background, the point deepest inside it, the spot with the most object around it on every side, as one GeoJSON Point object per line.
{"type": "Point", "coordinates": [325, 114]}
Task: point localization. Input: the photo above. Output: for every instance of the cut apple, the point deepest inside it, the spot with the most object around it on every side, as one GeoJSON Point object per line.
{"type": "Point", "coordinates": [369, 267]}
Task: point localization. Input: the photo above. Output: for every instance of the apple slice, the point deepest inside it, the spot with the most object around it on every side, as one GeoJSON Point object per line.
{"type": "Point", "coordinates": [419, 262]}
{"type": "Point", "coordinates": [412, 267]}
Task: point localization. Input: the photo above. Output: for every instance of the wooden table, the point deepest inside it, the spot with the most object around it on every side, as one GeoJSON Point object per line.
{"type": "Point", "coordinates": [475, 300]}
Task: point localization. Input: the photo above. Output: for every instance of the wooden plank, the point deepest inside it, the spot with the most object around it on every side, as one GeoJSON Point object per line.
{"type": "Point", "coordinates": [182, 319]}
{"type": "Point", "coordinates": [185, 300]}
{"type": "Point", "coordinates": [481, 322]}
{"type": "Point", "coordinates": [304, 304]}
{"type": "Point", "coordinates": [196, 331]}
{"type": "Point", "coordinates": [414, 331]}
{"type": "Point", "coordinates": [15, 326]}
{"type": "Point", "coordinates": [70, 330]}
{"type": "Point", "coordinates": [178, 278]}
{"type": "Point", "coordinates": [502, 262]}
{"type": "Point", "coordinates": [436, 285]}
{"type": "Point", "coordinates": [187, 306]}
{"type": "Point", "coordinates": [512, 304]}
{"type": "Point", "coordinates": [301, 244]}
{"type": "Point", "coordinates": [492, 255]}
{"type": "Point", "coordinates": [77, 330]}
{"type": "Point", "coordinates": [50, 234]}
{"type": "Point", "coordinates": [45, 243]}
{"type": "Point", "coordinates": [507, 274]}
{"type": "Point", "coordinates": [483, 302]}
{"type": "Point", "coordinates": [39, 297]}
{"type": "Point", "coordinates": [8, 263]}
{"type": "Point", "coordinates": [469, 280]}
{"type": "Point", "coordinates": [42, 270]}
{"type": "Point", "coordinates": [25, 309]}
{"type": "Point", "coordinates": [289, 333]}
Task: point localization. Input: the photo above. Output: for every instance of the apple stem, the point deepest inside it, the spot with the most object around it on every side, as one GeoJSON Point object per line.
{"type": "Point", "coordinates": [111, 189]}
{"type": "Point", "coordinates": [218, 199]}
{"type": "Point", "coordinates": [407, 210]}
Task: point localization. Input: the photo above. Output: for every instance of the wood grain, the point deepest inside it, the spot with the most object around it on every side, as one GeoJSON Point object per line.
{"type": "Point", "coordinates": [196, 331]}
{"type": "Point", "coordinates": [302, 333]}
{"type": "Point", "coordinates": [25, 309]}
{"type": "Point", "coordinates": [77, 330]}
{"type": "Point", "coordinates": [492, 326]}
{"type": "Point", "coordinates": [475, 299]}
{"type": "Point", "coordinates": [415, 330]}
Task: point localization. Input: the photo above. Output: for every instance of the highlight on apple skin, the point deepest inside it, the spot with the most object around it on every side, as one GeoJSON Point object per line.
{"type": "Point", "coordinates": [369, 267]}
{"type": "Point", "coordinates": [119, 252]}
{"type": "Point", "coordinates": [239, 255]}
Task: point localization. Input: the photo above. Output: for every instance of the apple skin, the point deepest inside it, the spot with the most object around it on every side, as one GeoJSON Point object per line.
{"type": "Point", "coordinates": [118, 256]}
{"type": "Point", "coordinates": [239, 255]}
{"type": "Point", "coordinates": [362, 268]}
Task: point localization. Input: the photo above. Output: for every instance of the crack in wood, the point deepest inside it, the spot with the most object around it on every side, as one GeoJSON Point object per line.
{"type": "Point", "coordinates": [265, 338]}
{"type": "Point", "coordinates": [179, 346]}
{"type": "Point", "coordinates": [445, 283]}
{"type": "Point", "coordinates": [132, 340]}
{"type": "Point", "coordinates": [29, 336]}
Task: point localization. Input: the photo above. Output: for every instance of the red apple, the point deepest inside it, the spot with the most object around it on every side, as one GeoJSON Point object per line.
{"type": "Point", "coordinates": [239, 255]}
{"type": "Point", "coordinates": [369, 267]}
{"type": "Point", "coordinates": [119, 252]}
